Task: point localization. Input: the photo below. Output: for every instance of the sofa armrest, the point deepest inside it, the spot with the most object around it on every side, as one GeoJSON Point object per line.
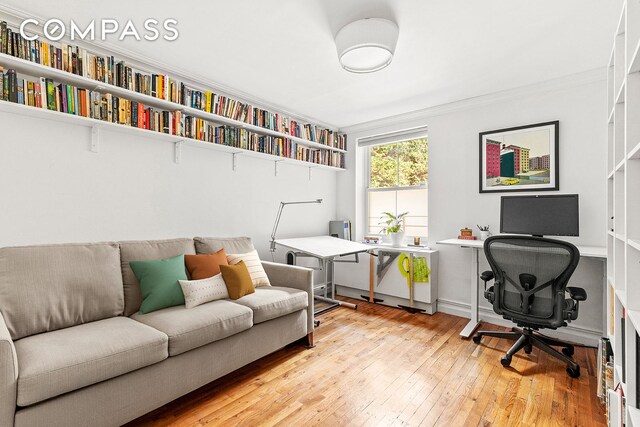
{"type": "Point", "coordinates": [8, 376]}
{"type": "Point", "coordinates": [292, 276]}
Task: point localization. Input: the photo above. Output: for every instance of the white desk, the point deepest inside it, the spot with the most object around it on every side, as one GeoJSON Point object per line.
{"type": "Point", "coordinates": [326, 249]}
{"type": "Point", "coordinates": [476, 246]}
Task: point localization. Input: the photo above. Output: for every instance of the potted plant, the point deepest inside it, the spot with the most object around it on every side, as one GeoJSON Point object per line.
{"type": "Point", "coordinates": [394, 227]}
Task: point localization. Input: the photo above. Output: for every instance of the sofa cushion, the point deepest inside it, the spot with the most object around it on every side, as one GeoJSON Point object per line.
{"type": "Point", "coordinates": [254, 265]}
{"type": "Point", "coordinates": [203, 266]}
{"type": "Point", "coordinates": [146, 250]}
{"type": "Point", "coordinates": [237, 279]}
{"type": "Point", "coordinates": [189, 328]}
{"type": "Point", "coordinates": [198, 292]}
{"type": "Point", "coordinates": [274, 301]}
{"type": "Point", "coordinates": [57, 362]}
{"type": "Point", "coordinates": [159, 282]}
{"type": "Point", "coordinates": [231, 245]}
{"type": "Point", "coordinates": [49, 287]}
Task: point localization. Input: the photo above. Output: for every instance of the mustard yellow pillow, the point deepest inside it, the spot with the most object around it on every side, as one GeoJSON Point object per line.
{"type": "Point", "coordinates": [237, 279]}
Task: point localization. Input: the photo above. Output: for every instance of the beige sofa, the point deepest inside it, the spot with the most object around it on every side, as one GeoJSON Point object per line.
{"type": "Point", "coordinates": [74, 351]}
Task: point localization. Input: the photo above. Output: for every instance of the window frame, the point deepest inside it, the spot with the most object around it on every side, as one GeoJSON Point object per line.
{"type": "Point", "coordinates": [368, 188]}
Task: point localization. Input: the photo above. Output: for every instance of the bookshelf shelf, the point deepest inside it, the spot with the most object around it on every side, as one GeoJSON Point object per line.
{"type": "Point", "coordinates": [620, 166]}
{"type": "Point", "coordinates": [619, 374]}
{"type": "Point", "coordinates": [634, 154]}
{"type": "Point", "coordinates": [634, 63]}
{"type": "Point", "coordinates": [622, 296]}
{"type": "Point", "coordinates": [634, 315]}
{"type": "Point", "coordinates": [611, 115]}
{"type": "Point", "coordinates": [635, 244]}
{"type": "Point", "coordinates": [634, 416]}
{"type": "Point", "coordinates": [620, 237]}
{"type": "Point", "coordinates": [25, 110]}
{"type": "Point", "coordinates": [38, 70]}
{"type": "Point", "coordinates": [621, 93]}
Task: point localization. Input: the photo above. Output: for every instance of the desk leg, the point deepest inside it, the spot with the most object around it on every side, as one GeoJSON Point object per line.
{"type": "Point", "coordinates": [333, 301]}
{"type": "Point", "coordinates": [475, 285]}
{"type": "Point", "coordinates": [326, 276]}
{"type": "Point", "coordinates": [372, 278]}
{"type": "Point", "coordinates": [410, 308]}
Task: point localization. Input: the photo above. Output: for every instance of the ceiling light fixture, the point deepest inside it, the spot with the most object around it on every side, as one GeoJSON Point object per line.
{"type": "Point", "coordinates": [367, 45]}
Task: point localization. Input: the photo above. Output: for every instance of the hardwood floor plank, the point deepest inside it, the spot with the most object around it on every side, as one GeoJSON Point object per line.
{"type": "Point", "coordinates": [380, 366]}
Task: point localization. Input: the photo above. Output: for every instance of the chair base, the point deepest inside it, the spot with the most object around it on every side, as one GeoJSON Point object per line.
{"type": "Point", "coordinates": [526, 339]}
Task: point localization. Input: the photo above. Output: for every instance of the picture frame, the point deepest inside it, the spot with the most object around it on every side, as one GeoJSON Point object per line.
{"type": "Point", "coordinates": [522, 158]}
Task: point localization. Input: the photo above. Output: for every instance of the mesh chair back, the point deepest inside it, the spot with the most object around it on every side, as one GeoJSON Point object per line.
{"type": "Point", "coordinates": [531, 276]}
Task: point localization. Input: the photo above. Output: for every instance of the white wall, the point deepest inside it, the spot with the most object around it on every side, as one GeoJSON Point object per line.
{"type": "Point", "coordinates": [54, 189]}
{"type": "Point", "coordinates": [577, 102]}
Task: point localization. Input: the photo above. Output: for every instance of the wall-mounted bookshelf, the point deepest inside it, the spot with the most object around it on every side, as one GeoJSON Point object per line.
{"type": "Point", "coordinates": [188, 113]}
{"type": "Point", "coordinates": [623, 206]}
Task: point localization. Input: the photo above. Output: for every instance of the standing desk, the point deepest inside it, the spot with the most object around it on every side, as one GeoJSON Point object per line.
{"type": "Point", "coordinates": [326, 249]}
{"type": "Point", "coordinates": [598, 252]}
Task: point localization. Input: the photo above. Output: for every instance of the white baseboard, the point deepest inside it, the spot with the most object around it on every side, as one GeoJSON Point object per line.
{"type": "Point", "coordinates": [388, 300]}
{"type": "Point", "coordinates": [571, 333]}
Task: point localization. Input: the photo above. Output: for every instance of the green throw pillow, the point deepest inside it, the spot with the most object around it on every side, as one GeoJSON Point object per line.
{"type": "Point", "coordinates": [159, 282]}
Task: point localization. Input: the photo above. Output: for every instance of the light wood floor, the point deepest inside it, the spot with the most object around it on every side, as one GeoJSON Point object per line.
{"type": "Point", "coordinates": [381, 366]}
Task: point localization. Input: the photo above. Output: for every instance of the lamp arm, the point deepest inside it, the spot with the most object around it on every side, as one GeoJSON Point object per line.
{"type": "Point", "coordinates": [272, 245]}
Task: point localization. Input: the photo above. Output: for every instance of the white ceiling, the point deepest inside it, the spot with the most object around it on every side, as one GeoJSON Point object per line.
{"type": "Point", "coordinates": [282, 51]}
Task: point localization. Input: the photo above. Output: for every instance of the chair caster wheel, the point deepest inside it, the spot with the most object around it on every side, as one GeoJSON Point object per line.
{"type": "Point", "coordinates": [528, 349]}
{"type": "Point", "coordinates": [567, 351]}
{"type": "Point", "coordinates": [476, 339]}
{"type": "Point", "coordinates": [506, 361]}
{"type": "Point", "coordinates": [573, 373]}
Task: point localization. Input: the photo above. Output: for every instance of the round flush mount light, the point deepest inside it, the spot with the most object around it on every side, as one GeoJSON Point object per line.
{"type": "Point", "coordinates": [367, 45]}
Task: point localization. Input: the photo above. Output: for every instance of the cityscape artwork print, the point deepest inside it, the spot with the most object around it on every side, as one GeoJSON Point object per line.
{"type": "Point", "coordinates": [523, 158]}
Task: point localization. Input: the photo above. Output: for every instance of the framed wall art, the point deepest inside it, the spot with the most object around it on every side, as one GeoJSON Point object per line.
{"type": "Point", "coordinates": [523, 158]}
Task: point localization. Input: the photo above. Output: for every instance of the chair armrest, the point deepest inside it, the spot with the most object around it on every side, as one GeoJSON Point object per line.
{"type": "Point", "coordinates": [8, 376]}
{"type": "Point", "coordinates": [577, 294]}
{"type": "Point", "coordinates": [293, 276]}
{"type": "Point", "coordinates": [487, 275]}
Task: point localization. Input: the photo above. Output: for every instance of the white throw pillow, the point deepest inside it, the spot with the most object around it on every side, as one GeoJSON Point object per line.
{"type": "Point", "coordinates": [252, 261]}
{"type": "Point", "coordinates": [198, 292]}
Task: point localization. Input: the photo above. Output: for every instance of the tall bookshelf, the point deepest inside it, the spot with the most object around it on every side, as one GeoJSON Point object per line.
{"type": "Point", "coordinates": [281, 138]}
{"type": "Point", "coordinates": [623, 207]}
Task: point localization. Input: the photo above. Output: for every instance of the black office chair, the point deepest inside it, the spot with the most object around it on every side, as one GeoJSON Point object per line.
{"type": "Point", "coordinates": [530, 283]}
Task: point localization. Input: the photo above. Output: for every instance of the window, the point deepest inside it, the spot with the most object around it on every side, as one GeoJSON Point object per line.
{"type": "Point", "coordinates": [398, 183]}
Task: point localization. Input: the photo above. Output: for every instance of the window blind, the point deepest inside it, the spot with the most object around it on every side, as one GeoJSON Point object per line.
{"type": "Point", "coordinates": [388, 138]}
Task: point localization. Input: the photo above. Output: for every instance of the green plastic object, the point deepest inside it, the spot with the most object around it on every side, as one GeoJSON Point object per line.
{"type": "Point", "coordinates": [421, 270]}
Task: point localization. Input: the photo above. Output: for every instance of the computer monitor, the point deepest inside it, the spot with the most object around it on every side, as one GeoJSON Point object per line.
{"type": "Point", "coordinates": [540, 215]}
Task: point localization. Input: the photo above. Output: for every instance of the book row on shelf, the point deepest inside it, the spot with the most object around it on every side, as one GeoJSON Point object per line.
{"type": "Point", "coordinates": [605, 372]}
{"type": "Point", "coordinates": [46, 94]}
{"type": "Point", "coordinates": [108, 69]}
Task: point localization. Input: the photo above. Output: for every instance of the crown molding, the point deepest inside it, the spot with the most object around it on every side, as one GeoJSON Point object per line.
{"type": "Point", "coordinates": [15, 16]}
{"type": "Point", "coordinates": [554, 85]}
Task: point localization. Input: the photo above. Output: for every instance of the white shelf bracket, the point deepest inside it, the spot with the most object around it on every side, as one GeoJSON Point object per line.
{"type": "Point", "coordinates": [177, 152]}
{"type": "Point", "coordinates": [234, 165]}
{"type": "Point", "coordinates": [276, 167]}
{"type": "Point", "coordinates": [95, 139]}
